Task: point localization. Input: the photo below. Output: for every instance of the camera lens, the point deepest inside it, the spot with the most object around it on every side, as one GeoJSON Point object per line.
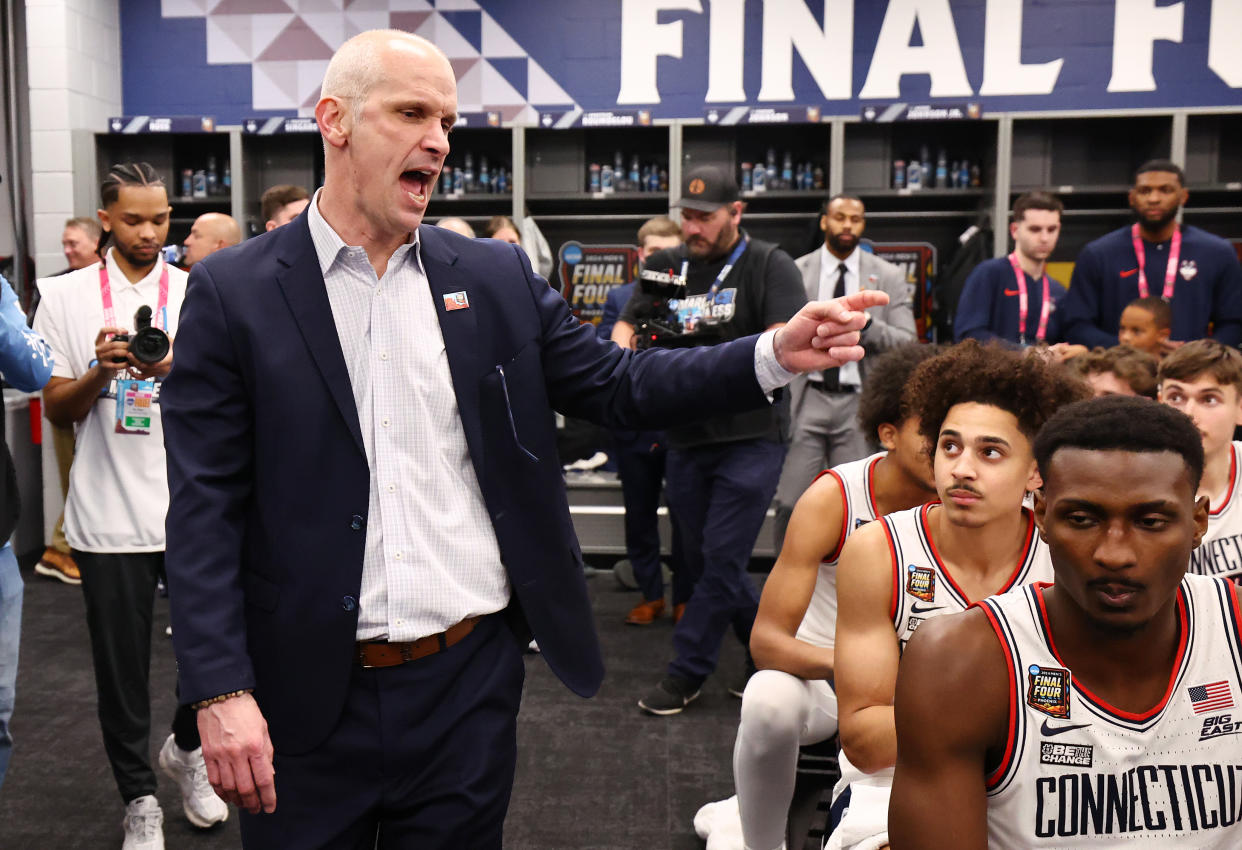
{"type": "Point", "coordinates": [149, 345]}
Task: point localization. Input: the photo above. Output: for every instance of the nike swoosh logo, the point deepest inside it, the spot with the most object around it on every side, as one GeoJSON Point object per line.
{"type": "Point", "coordinates": [1131, 272]}
{"type": "Point", "coordinates": [1049, 731]}
{"type": "Point", "coordinates": [916, 608]}
{"type": "Point", "coordinates": [1012, 292]}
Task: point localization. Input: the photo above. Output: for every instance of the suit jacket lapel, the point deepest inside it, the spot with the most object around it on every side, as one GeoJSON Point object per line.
{"type": "Point", "coordinates": [811, 281]}
{"type": "Point", "coordinates": [302, 283]}
{"type": "Point", "coordinates": [459, 328]}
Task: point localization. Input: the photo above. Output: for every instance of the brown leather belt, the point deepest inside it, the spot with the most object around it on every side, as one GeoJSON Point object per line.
{"type": "Point", "coordinates": [381, 653]}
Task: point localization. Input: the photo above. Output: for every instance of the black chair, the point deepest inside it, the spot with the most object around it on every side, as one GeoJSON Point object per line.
{"type": "Point", "coordinates": [817, 774]}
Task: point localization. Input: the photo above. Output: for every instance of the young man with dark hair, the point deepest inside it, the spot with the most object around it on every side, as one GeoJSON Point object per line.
{"type": "Point", "coordinates": [1101, 705]}
{"type": "Point", "coordinates": [1196, 272]}
{"type": "Point", "coordinates": [1120, 370]}
{"type": "Point", "coordinates": [979, 408]}
{"type": "Point", "coordinates": [1145, 325]}
{"type": "Point", "coordinates": [282, 204]}
{"type": "Point", "coordinates": [790, 702]}
{"type": "Point", "coordinates": [1203, 379]}
{"type": "Point", "coordinates": [118, 491]}
{"type": "Point", "coordinates": [1013, 298]}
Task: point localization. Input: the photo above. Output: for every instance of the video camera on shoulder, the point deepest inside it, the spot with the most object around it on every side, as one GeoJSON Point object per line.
{"type": "Point", "coordinates": [148, 344]}
{"type": "Point", "coordinates": [667, 321]}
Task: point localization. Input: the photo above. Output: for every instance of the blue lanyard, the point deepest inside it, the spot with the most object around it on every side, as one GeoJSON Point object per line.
{"type": "Point", "coordinates": [728, 267]}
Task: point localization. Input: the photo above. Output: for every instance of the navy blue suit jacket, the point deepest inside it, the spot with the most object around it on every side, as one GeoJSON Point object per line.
{"type": "Point", "coordinates": [269, 482]}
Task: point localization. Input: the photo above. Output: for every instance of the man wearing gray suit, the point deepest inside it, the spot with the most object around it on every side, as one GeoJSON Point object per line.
{"type": "Point", "coordinates": [824, 405]}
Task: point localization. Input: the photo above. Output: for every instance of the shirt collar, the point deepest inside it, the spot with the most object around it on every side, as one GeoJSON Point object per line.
{"type": "Point", "coordinates": [119, 282]}
{"type": "Point", "coordinates": [329, 244]}
{"type": "Point", "coordinates": [829, 263]}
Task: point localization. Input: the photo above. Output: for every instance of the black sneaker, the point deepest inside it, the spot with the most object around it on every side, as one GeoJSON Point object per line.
{"type": "Point", "coordinates": [738, 686]}
{"type": "Point", "coordinates": [671, 696]}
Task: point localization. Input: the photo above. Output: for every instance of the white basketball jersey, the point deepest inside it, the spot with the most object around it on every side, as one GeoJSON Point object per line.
{"type": "Point", "coordinates": [819, 624]}
{"type": "Point", "coordinates": [923, 588]}
{"type": "Point", "coordinates": [1081, 773]}
{"type": "Point", "coordinates": [1220, 553]}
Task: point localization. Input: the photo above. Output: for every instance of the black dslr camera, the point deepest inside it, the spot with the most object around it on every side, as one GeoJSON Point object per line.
{"type": "Point", "coordinates": [148, 344]}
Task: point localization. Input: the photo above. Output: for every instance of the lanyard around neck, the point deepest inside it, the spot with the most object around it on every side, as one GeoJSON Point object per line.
{"type": "Point", "coordinates": [728, 266]}
{"type": "Point", "coordinates": [1170, 271]}
{"type": "Point", "coordinates": [1045, 309]}
{"type": "Point", "coordinates": [159, 319]}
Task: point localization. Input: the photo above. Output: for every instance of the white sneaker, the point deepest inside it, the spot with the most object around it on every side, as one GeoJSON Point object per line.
{"type": "Point", "coordinates": [202, 807]}
{"type": "Point", "coordinates": [708, 815]}
{"type": "Point", "coordinates": [144, 825]}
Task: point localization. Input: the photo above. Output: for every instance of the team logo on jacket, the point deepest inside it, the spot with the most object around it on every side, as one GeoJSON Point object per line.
{"type": "Point", "coordinates": [1188, 269]}
{"type": "Point", "coordinates": [921, 583]}
{"type": "Point", "coordinates": [1048, 690]}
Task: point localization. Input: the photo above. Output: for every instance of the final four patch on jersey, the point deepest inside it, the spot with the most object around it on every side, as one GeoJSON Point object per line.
{"type": "Point", "coordinates": [921, 583]}
{"type": "Point", "coordinates": [1048, 690]}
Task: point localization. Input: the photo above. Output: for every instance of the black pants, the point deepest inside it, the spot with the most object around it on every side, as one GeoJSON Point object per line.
{"type": "Point", "coordinates": [119, 589]}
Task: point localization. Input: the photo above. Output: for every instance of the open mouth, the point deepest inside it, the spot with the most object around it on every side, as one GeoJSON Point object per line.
{"type": "Point", "coordinates": [416, 184]}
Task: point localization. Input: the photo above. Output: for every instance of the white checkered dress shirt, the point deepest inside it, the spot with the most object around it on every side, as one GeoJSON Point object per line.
{"type": "Point", "coordinates": [431, 554]}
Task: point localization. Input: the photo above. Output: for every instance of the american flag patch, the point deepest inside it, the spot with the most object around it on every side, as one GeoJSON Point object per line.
{"type": "Point", "coordinates": [456, 301]}
{"type": "Point", "coordinates": [1211, 697]}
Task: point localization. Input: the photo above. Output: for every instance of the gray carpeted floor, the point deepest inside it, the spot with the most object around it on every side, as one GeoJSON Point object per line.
{"type": "Point", "coordinates": [591, 773]}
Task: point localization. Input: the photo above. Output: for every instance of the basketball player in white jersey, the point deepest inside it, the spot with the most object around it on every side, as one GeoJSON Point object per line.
{"type": "Point", "coordinates": [789, 702]}
{"type": "Point", "coordinates": [1203, 379]}
{"type": "Point", "coordinates": [979, 409]}
{"type": "Point", "coordinates": [1100, 710]}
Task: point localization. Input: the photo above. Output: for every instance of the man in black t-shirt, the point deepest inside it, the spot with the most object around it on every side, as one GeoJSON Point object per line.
{"type": "Point", "coordinates": [721, 473]}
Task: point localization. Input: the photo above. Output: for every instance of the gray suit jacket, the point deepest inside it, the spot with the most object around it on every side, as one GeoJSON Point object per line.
{"type": "Point", "coordinates": [891, 325]}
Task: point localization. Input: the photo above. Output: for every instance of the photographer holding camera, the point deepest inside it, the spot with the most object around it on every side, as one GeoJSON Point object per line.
{"type": "Point", "coordinates": [720, 473]}
{"type": "Point", "coordinates": [106, 380]}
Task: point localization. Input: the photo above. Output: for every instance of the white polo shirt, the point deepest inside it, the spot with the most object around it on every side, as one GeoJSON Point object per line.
{"type": "Point", "coordinates": [118, 484]}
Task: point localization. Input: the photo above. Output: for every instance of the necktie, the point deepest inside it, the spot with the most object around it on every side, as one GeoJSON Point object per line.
{"type": "Point", "coordinates": [832, 378]}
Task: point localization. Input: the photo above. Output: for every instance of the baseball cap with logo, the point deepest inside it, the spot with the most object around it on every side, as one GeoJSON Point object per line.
{"type": "Point", "coordinates": [707, 188]}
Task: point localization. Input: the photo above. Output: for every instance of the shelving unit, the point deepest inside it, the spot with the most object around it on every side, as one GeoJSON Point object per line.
{"type": "Point", "coordinates": [1087, 158]}
{"type": "Point", "coordinates": [170, 154]}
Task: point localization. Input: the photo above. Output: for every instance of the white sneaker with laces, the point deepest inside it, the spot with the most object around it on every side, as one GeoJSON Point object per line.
{"type": "Point", "coordinates": [202, 807]}
{"type": "Point", "coordinates": [144, 825]}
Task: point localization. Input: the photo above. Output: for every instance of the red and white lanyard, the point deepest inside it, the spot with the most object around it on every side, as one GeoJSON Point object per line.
{"type": "Point", "coordinates": [1170, 273]}
{"type": "Point", "coordinates": [159, 318]}
{"type": "Point", "coordinates": [1045, 309]}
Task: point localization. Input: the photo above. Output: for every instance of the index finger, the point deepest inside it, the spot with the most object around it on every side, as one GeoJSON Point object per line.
{"type": "Point", "coordinates": [864, 298]}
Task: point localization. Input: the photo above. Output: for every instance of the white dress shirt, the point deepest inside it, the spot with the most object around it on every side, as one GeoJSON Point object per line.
{"type": "Point", "coordinates": [848, 374]}
{"type": "Point", "coordinates": [431, 557]}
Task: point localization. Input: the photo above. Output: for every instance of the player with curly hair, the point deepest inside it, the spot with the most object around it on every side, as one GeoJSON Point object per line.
{"type": "Point", "coordinates": [789, 703]}
{"type": "Point", "coordinates": [979, 408]}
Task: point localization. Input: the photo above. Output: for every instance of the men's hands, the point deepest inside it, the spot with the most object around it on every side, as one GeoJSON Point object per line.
{"type": "Point", "coordinates": [148, 371]}
{"type": "Point", "coordinates": [238, 753]}
{"type": "Point", "coordinates": [111, 354]}
{"type": "Point", "coordinates": [824, 334]}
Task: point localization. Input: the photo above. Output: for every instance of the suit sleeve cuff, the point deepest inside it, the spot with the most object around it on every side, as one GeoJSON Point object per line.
{"type": "Point", "coordinates": [768, 371]}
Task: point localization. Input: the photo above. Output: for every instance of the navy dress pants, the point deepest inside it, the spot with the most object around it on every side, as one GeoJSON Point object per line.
{"type": "Point", "coordinates": [423, 757]}
{"type": "Point", "coordinates": [719, 496]}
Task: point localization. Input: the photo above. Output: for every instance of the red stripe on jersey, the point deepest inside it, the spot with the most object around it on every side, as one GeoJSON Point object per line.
{"type": "Point", "coordinates": [1233, 477]}
{"type": "Point", "coordinates": [845, 517]}
{"type": "Point", "coordinates": [1103, 705]}
{"type": "Point", "coordinates": [892, 549]}
{"type": "Point", "coordinates": [1012, 735]}
{"type": "Point", "coordinates": [1017, 570]}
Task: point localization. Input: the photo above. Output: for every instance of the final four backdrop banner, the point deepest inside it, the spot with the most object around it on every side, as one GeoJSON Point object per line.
{"type": "Point", "coordinates": [678, 58]}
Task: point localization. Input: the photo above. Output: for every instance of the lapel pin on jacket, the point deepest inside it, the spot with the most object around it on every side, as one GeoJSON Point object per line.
{"type": "Point", "coordinates": [456, 301]}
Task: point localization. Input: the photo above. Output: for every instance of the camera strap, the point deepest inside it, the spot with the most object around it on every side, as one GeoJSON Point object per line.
{"type": "Point", "coordinates": [159, 318]}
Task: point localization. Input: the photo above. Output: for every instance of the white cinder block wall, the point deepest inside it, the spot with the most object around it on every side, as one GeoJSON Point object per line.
{"type": "Point", "coordinates": [74, 55]}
